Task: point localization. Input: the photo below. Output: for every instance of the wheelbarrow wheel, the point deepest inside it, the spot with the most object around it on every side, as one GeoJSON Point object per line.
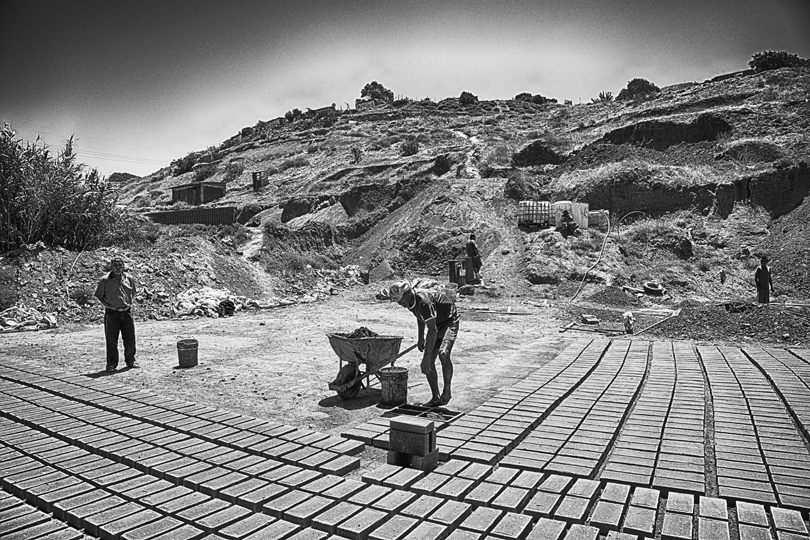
{"type": "Point", "coordinates": [347, 373]}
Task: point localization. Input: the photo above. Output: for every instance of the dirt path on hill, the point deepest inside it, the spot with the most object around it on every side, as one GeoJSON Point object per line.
{"type": "Point", "coordinates": [276, 364]}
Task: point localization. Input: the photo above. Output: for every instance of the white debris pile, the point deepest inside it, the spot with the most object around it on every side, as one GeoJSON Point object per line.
{"type": "Point", "coordinates": [204, 301]}
{"type": "Point", "coordinates": [21, 318]}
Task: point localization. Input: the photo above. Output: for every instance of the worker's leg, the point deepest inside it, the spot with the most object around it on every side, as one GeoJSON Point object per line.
{"type": "Point", "coordinates": [111, 329]}
{"type": "Point", "coordinates": [433, 380]}
{"type": "Point", "coordinates": [445, 349]}
{"type": "Point", "coordinates": [128, 336]}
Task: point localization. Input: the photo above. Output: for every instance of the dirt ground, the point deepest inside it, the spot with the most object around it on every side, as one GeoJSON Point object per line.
{"type": "Point", "coordinates": [276, 364]}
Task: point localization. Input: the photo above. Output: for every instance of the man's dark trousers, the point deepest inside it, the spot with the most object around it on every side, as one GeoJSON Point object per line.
{"type": "Point", "coordinates": [115, 322]}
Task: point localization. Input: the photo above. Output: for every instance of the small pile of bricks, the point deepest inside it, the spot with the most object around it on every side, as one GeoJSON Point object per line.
{"type": "Point", "coordinates": [413, 443]}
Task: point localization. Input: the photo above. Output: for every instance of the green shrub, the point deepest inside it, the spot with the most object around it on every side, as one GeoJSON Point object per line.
{"type": "Point", "coordinates": [638, 89]}
{"type": "Point", "coordinates": [313, 149]}
{"type": "Point", "coordinates": [467, 98]}
{"type": "Point", "coordinates": [376, 91]}
{"type": "Point", "coordinates": [234, 170]}
{"type": "Point", "coordinates": [767, 60]}
{"type": "Point", "coordinates": [82, 294]}
{"type": "Point", "coordinates": [51, 198]}
{"type": "Point", "coordinates": [604, 97]}
{"type": "Point", "coordinates": [299, 161]}
{"type": "Point", "coordinates": [357, 154]}
{"type": "Point", "coordinates": [8, 289]}
{"type": "Point", "coordinates": [409, 147]}
{"type": "Point", "coordinates": [203, 173]}
{"type": "Point", "coordinates": [184, 164]}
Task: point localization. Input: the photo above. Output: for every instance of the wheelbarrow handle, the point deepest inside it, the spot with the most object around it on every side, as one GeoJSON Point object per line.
{"type": "Point", "coordinates": [406, 351]}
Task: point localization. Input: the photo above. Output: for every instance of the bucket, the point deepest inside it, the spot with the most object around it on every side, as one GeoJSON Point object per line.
{"type": "Point", "coordinates": [394, 383]}
{"type": "Point", "coordinates": [187, 352]}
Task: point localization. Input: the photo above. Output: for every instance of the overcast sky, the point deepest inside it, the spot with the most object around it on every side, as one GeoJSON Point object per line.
{"type": "Point", "coordinates": [143, 82]}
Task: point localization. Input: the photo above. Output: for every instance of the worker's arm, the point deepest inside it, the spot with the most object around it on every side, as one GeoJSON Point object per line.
{"type": "Point", "coordinates": [420, 341]}
{"type": "Point", "coordinates": [430, 342]}
{"type": "Point", "coordinates": [100, 295]}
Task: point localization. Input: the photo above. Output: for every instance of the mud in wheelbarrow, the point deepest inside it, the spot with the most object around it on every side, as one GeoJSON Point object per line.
{"type": "Point", "coordinates": [361, 357]}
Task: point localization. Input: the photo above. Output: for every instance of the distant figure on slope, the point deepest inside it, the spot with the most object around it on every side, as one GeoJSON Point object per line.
{"type": "Point", "coordinates": [472, 253]}
{"type": "Point", "coordinates": [436, 312]}
{"type": "Point", "coordinates": [116, 292]}
{"type": "Point", "coordinates": [763, 281]}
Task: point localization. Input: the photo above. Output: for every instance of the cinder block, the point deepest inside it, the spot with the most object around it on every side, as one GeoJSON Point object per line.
{"type": "Point", "coordinates": [418, 444]}
{"type": "Point", "coordinates": [426, 463]}
{"type": "Point", "coordinates": [412, 425]}
{"type": "Point", "coordinates": [399, 458]}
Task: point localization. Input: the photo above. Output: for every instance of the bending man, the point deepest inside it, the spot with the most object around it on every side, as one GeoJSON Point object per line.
{"type": "Point", "coordinates": [435, 312]}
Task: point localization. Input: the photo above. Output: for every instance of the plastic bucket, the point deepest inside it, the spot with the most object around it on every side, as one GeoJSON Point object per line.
{"type": "Point", "coordinates": [187, 352]}
{"type": "Point", "coordinates": [394, 383]}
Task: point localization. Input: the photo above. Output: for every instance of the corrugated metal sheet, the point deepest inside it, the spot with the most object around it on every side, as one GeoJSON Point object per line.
{"type": "Point", "coordinates": [225, 215]}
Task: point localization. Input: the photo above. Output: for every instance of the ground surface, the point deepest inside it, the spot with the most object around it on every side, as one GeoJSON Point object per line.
{"type": "Point", "coordinates": [608, 439]}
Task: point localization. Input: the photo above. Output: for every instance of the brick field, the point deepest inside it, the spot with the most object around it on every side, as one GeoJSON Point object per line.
{"type": "Point", "coordinates": [612, 439]}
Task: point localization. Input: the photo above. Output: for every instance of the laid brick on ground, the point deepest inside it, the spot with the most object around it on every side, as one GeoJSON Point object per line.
{"type": "Point", "coordinates": [328, 521]}
{"type": "Point", "coordinates": [482, 519]}
{"type": "Point", "coordinates": [645, 497]}
{"type": "Point", "coordinates": [572, 508]}
{"type": "Point", "coordinates": [303, 513]}
{"type": "Point", "coordinates": [178, 504]}
{"type": "Point", "coordinates": [117, 528]}
{"type": "Point", "coordinates": [607, 515]}
{"type": "Point", "coordinates": [683, 503]}
{"type": "Point", "coordinates": [451, 513]}
{"type": "Point", "coordinates": [677, 526]}
{"type": "Point", "coordinates": [640, 520]}
{"type": "Point", "coordinates": [40, 531]}
{"type": "Point", "coordinates": [360, 524]}
{"type": "Point", "coordinates": [222, 518]}
{"type": "Point", "coordinates": [344, 489]}
{"type": "Point", "coordinates": [393, 529]}
{"type": "Point", "coordinates": [76, 515]}
{"type": "Point", "coordinates": [278, 505]}
{"type": "Point", "coordinates": [751, 532]}
{"type": "Point", "coordinates": [542, 504]}
{"type": "Point", "coordinates": [582, 532]}
{"type": "Point", "coordinates": [512, 526]}
{"type": "Point", "coordinates": [394, 501]}
{"type": "Point", "coordinates": [788, 520]}
{"type": "Point", "coordinates": [712, 529]}
{"type": "Point", "coordinates": [428, 530]}
{"type": "Point", "coordinates": [153, 529]}
{"type": "Point", "coordinates": [93, 523]}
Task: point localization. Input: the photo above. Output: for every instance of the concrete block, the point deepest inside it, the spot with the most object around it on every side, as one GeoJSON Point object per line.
{"type": "Point", "coordinates": [426, 463]}
{"type": "Point", "coordinates": [412, 424]}
{"type": "Point", "coordinates": [417, 444]}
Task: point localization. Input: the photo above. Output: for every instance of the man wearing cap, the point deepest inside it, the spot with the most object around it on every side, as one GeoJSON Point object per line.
{"type": "Point", "coordinates": [472, 253]}
{"type": "Point", "coordinates": [116, 292]}
{"type": "Point", "coordinates": [436, 312]}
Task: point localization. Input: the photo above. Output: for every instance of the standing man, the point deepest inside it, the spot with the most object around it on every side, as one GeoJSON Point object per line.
{"type": "Point", "coordinates": [116, 292]}
{"type": "Point", "coordinates": [436, 312]}
{"type": "Point", "coordinates": [762, 279]}
{"type": "Point", "coordinates": [472, 253]}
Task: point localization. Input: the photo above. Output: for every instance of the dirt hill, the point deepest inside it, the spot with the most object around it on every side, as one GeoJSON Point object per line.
{"type": "Point", "coordinates": [698, 179]}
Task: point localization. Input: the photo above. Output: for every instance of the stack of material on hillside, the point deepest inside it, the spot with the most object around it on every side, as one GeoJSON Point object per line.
{"type": "Point", "coordinates": [24, 318]}
{"type": "Point", "coordinates": [205, 301]}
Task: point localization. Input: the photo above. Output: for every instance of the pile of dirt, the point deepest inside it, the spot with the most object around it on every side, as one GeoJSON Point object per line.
{"type": "Point", "coordinates": [762, 323]}
{"type": "Point", "coordinates": [788, 247]}
{"type": "Point", "coordinates": [614, 296]}
{"type": "Point", "coordinates": [362, 332]}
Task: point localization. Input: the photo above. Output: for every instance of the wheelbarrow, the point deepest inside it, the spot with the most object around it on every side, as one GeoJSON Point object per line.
{"type": "Point", "coordinates": [373, 353]}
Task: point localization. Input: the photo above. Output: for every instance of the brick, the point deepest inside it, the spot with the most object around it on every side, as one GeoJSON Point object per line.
{"type": "Point", "coordinates": [278, 505]}
{"type": "Point", "coordinates": [640, 520]}
{"type": "Point", "coordinates": [582, 532]}
{"type": "Point", "coordinates": [303, 513]}
{"type": "Point", "coordinates": [361, 523]}
{"type": "Point", "coordinates": [584, 488]}
{"type": "Point", "coordinates": [403, 479]}
{"type": "Point", "coordinates": [511, 498]}
{"type": "Point", "coordinates": [97, 521]}
{"type": "Point", "coordinates": [276, 529]}
{"type": "Point", "coordinates": [461, 534]}
{"type": "Point", "coordinates": [423, 506]}
{"type": "Point", "coordinates": [21, 518]}
{"type": "Point", "coordinates": [394, 501]}
{"type": "Point", "coordinates": [482, 519]}
{"type": "Point", "coordinates": [369, 494]}
{"type": "Point", "coordinates": [677, 526]}
{"type": "Point", "coordinates": [752, 514]}
{"type": "Point", "coordinates": [547, 529]}
{"type": "Point", "coordinates": [344, 489]}
{"type": "Point", "coordinates": [60, 508]}
{"type": "Point", "coordinates": [117, 528]}
{"type": "Point", "coordinates": [341, 465]}
{"type": "Point", "coordinates": [750, 532]}
{"type": "Point", "coordinates": [607, 515]}
{"type": "Point", "coordinates": [512, 526]}
{"type": "Point", "coordinates": [152, 529]}
{"type": "Point", "coordinates": [455, 488]}
{"type": "Point", "coordinates": [555, 483]}
{"type": "Point", "coordinates": [426, 463]}
{"type": "Point", "coordinates": [542, 504]}
{"type": "Point", "coordinates": [451, 513]}
{"type": "Point", "coordinates": [190, 500]}
{"type": "Point", "coordinates": [416, 444]}
{"type": "Point", "coordinates": [76, 515]}
{"type": "Point", "coordinates": [788, 520]}
{"type": "Point", "coordinates": [222, 518]}
{"type": "Point", "coordinates": [308, 534]}
{"type": "Point", "coordinates": [572, 509]}
{"type": "Point", "coordinates": [683, 503]}
{"type": "Point", "coordinates": [712, 529]}
{"type": "Point", "coordinates": [329, 520]}
{"type": "Point", "coordinates": [645, 497]}
{"type": "Point", "coordinates": [714, 508]}
{"type": "Point", "coordinates": [39, 531]}
{"type": "Point", "coordinates": [393, 529]}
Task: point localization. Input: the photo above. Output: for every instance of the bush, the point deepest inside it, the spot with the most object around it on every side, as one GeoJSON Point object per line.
{"type": "Point", "coordinates": [768, 60]}
{"type": "Point", "coordinates": [466, 98]}
{"type": "Point", "coordinates": [51, 199]}
{"type": "Point", "coordinates": [234, 170]}
{"type": "Point", "coordinates": [8, 290]}
{"type": "Point", "coordinates": [184, 164]}
{"type": "Point", "coordinates": [83, 294]}
{"type": "Point", "coordinates": [604, 97]}
{"type": "Point", "coordinates": [357, 154]}
{"type": "Point", "coordinates": [638, 89]}
{"type": "Point", "coordinates": [299, 161]}
{"type": "Point", "coordinates": [203, 173]}
{"type": "Point", "coordinates": [409, 147]}
{"type": "Point", "coordinates": [376, 91]}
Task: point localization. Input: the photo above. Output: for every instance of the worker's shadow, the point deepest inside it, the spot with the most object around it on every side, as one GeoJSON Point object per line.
{"type": "Point", "coordinates": [105, 373]}
{"type": "Point", "coordinates": [367, 397]}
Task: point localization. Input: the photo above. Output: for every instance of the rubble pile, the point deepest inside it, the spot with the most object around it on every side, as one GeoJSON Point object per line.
{"type": "Point", "coordinates": [23, 318]}
{"type": "Point", "coordinates": [362, 332]}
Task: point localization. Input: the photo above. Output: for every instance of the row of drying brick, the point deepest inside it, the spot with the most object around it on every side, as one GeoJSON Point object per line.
{"type": "Point", "coordinates": [661, 444]}
{"type": "Point", "coordinates": [137, 412]}
{"type": "Point", "coordinates": [561, 505]}
{"type": "Point", "coordinates": [760, 454]}
{"type": "Point", "coordinates": [576, 437]}
{"type": "Point", "coordinates": [492, 429]}
{"type": "Point", "coordinates": [108, 500]}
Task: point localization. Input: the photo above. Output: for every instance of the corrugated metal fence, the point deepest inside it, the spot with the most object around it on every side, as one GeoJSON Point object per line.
{"type": "Point", "coordinates": [207, 216]}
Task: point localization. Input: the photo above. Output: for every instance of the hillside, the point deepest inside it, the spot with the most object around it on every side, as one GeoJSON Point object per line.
{"type": "Point", "coordinates": [701, 178]}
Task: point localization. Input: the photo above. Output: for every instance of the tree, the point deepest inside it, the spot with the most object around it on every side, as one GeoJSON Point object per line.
{"type": "Point", "coordinates": [604, 97]}
{"type": "Point", "coordinates": [523, 96]}
{"type": "Point", "coordinates": [377, 92]}
{"type": "Point", "coordinates": [466, 98]}
{"type": "Point", "coordinates": [767, 60]}
{"type": "Point", "coordinates": [638, 89]}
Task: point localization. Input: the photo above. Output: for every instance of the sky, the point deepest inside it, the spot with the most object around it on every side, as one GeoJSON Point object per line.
{"type": "Point", "coordinates": [140, 83]}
